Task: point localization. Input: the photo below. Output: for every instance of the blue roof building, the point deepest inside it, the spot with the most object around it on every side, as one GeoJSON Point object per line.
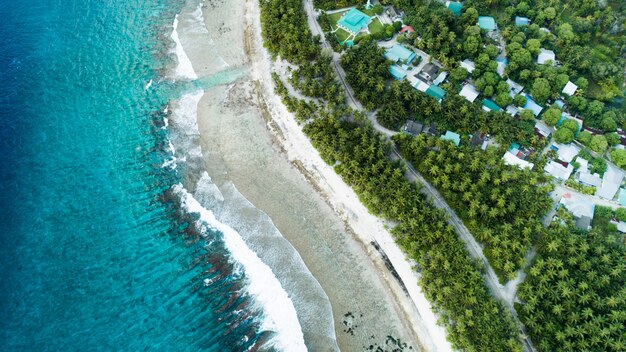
{"type": "Point", "coordinates": [532, 106]}
{"type": "Point", "coordinates": [451, 136]}
{"type": "Point", "coordinates": [399, 53]}
{"type": "Point", "coordinates": [455, 7]}
{"type": "Point", "coordinates": [522, 21]}
{"type": "Point", "coordinates": [435, 92]}
{"type": "Point", "coordinates": [397, 72]}
{"type": "Point", "coordinates": [487, 22]}
{"type": "Point", "coordinates": [354, 21]}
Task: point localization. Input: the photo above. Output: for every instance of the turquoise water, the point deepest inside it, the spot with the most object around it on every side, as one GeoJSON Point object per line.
{"type": "Point", "coordinates": [95, 253]}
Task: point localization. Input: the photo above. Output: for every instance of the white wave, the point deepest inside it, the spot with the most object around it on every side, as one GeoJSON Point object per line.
{"type": "Point", "coordinates": [148, 85]}
{"type": "Point", "coordinates": [185, 113]}
{"type": "Point", "coordinates": [280, 313]}
{"type": "Point", "coordinates": [184, 69]}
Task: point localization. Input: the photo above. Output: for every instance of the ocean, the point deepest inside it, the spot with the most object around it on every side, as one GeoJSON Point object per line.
{"type": "Point", "coordinates": [102, 246]}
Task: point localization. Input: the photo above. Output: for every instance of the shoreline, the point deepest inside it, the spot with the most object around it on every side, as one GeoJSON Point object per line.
{"type": "Point", "coordinates": [251, 142]}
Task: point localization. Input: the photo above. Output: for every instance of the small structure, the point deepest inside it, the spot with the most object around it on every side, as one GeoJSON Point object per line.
{"type": "Point", "coordinates": [515, 88]}
{"type": "Point", "coordinates": [522, 21]}
{"type": "Point", "coordinates": [512, 110]}
{"type": "Point", "coordinates": [469, 65]}
{"type": "Point", "coordinates": [430, 70]}
{"type": "Point", "coordinates": [469, 92]}
{"type": "Point", "coordinates": [570, 88]}
{"type": "Point", "coordinates": [487, 23]}
{"type": "Point", "coordinates": [611, 182]}
{"type": "Point", "coordinates": [532, 106]}
{"type": "Point", "coordinates": [399, 53]}
{"type": "Point", "coordinates": [442, 77]}
{"type": "Point", "coordinates": [512, 159]}
{"type": "Point", "coordinates": [451, 136]}
{"type": "Point", "coordinates": [581, 208]}
{"type": "Point", "coordinates": [560, 103]}
{"type": "Point", "coordinates": [622, 196]}
{"type": "Point", "coordinates": [354, 21]}
{"type": "Point", "coordinates": [393, 13]}
{"type": "Point", "coordinates": [412, 127]}
{"type": "Point", "coordinates": [542, 130]}
{"type": "Point", "coordinates": [478, 140]}
{"type": "Point", "coordinates": [558, 170]}
{"type": "Point", "coordinates": [436, 92]}
{"type": "Point", "coordinates": [406, 29]}
{"type": "Point", "coordinates": [545, 56]}
{"type": "Point", "coordinates": [589, 179]}
{"type": "Point", "coordinates": [566, 152]}
{"type": "Point", "coordinates": [397, 72]}
{"type": "Point", "coordinates": [489, 105]}
{"type": "Point", "coordinates": [455, 7]}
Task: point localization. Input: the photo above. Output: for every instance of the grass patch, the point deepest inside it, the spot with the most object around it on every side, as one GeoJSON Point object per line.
{"type": "Point", "coordinates": [376, 27]}
{"type": "Point", "coordinates": [342, 35]}
{"type": "Point", "coordinates": [335, 17]}
{"type": "Point", "coordinates": [368, 12]}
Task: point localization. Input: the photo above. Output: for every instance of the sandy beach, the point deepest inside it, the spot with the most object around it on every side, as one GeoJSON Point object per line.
{"type": "Point", "coordinates": [272, 179]}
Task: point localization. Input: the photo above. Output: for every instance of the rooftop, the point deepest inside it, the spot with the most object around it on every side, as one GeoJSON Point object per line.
{"type": "Point", "coordinates": [622, 196]}
{"type": "Point", "coordinates": [610, 182]}
{"type": "Point", "coordinates": [490, 105]}
{"type": "Point", "coordinates": [442, 77]}
{"type": "Point", "coordinates": [545, 56]}
{"type": "Point", "coordinates": [570, 88]}
{"type": "Point", "coordinates": [559, 171]}
{"type": "Point", "coordinates": [354, 21]}
{"type": "Point", "coordinates": [522, 21]}
{"type": "Point", "coordinates": [532, 106]}
{"type": "Point", "coordinates": [578, 206]}
{"type": "Point", "coordinates": [469, 92]}
{"type": "Point", "coordinates": [543, 129]}
{"type": "Point", "coordinates": [511, 159]}
{"type": "Point", "coordinates": [455, 7]}
{"type": "Point", "coordinates": [397, 72]}
{"type": "Point", "coordinates": [469, 65]}
{"type": "Point", "coordinates": [407, 29]}
{"type": "Point", "coordinates": [400, 53]}
{"type": "Point", "coordinates": [487, 22]}
{"type": "Point", "coordinates": [436, 92]}
{"type": "Point", "coordinates": [451, 136]}
{"type": "Point", "coordinates": [566, 152]}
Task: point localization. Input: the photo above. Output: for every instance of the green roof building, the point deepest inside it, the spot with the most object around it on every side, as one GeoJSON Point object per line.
{"type": "Point", "coordinates": [455, 7]}
{"type": "Point", "coordinates": [451, 136]}
{"type": "Point", "coordinates": [489, 105]}
{"type": "Point", "coordinates": [399, 53]}
{"type": "Point", "coordinates": [436, 92]}
{"type": "Point", "coordinates": [354, 21]}
{"type": "Point", "coordinates": [487, 22]}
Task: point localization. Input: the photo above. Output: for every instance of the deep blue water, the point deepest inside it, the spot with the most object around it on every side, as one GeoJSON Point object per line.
{"type": "Point", "coordinates": [94, 254]}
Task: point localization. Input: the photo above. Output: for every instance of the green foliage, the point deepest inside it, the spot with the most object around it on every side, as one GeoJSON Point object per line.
{"type": "Point", "coordinates": [552, 116]}
{"type": "Point", "coordinates": [598, 143]}
{"type": "Point", "coordinates": [519, 100]}
{"type": "Point", "coordinates": [620, 214]}
{"type": "Point", "coordinates": [584, 137]}
{"type": "Point", "coordinates": [500, 204]}
{"type": "Point", "coordinates": [612, 138]}
{"type": "Point", "coordinates": [574, 295]}
{"type": "Point", "coordinates": [336, 4]}
{"type": "Point", "coordinates": [590, 190]}
{"type": "Point", "coordinates": [570, 125]}
{"type": "Point", "coordinates": [596, 165]}
{"type": "Point", "coordinates": [618, 156]}
{"type": "Point", "coordinates": [563, 135]}
{"type": "Point", "coordinates": [541, 90]}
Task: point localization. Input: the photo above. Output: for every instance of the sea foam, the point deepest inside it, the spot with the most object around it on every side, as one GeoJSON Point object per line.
{"type": "Point", "coordinates": [280, 313]}
{"type": "Point", "coordinates": [184, 69]}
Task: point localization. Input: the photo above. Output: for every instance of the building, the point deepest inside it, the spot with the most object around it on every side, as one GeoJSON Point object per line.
{"type": "Point", "coordinates": [412, 127]}
{"type": "Point", "coordinates": [522, 21]}
{"type": "Point", "coordinates": [542, 130]}
{"type": "Point", "coordinates": [545, 56]}
{"type": "Point", "coordinates": [487, 23]}
{"type": "Point", "coordinates": [512, 110]}
{"type": "Point", "coordinates": [393, 13]}
{"type": "Point", "coordinates": [436, 92]}
{"type": "Point", "coordinates": [570, 88]}
{"type": "Point", "coordinates": [430, 71]}
{"type": "Point", "coordinates": [532, 106]}
{"type": "Point", "coordinates": [566, 152]}
{"type": "Point", "coordinates": [558, 170]}
{"type": "Point", "coordinates": [515, 88]}
{"type": "Point", "coordinates": [622, 196]}
{"type": "Point", "coordinates": [451, 136]}
{"type": "Point", "coordinates": [489, 105]}
{"type": "Point", "coordinates": [478, 140]}
{"type": "Point", "coordinates": [440, 78]}
{"type": "Point", "coordinates": [407, 29]}
{"type": "Point", "coordinates": [469, 65]}
{"type": "Point", "coordinates": [611, 182]}
{"type": "Point", "coordinates": [469, 92]}
{"type": "Point", "coordinates": [581, 208]}
{"type": "Point", "coordinates": [354, 21]}
{"type": "Point", "coordinates": [455, 7]}
{"type": "Point", "coordinates": [399, 53]}
{"type": "Point", "coordinates": [512, 159]}
{"type": "Point", "coordinates": [397, 72]}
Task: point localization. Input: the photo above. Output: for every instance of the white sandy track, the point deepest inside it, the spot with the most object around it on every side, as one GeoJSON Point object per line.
{"type": "Point", "coordinates": [341, 196]}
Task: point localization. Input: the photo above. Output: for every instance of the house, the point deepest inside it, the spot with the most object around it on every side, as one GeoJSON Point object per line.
{"type": "Point", "coordinates": [532, 106]}
{"type": "Point", "coordinates": [560, 103]}
{"type": "Point", "coordinates": [436, 92]}
{"type": "Point", "coordinates": [570, 88]}
{"type": "Point", "coordinates": [589, 179]}
{"type": "Point", "coordinates": [407, 29]}
{"type": "Point", "coordinates": [487, 23]}
{"type": "Point", "coordinates": [469, 65]}
{"type": "Point", "coordinates": [621, 227]}
{"type": "Point", "coordinates": [611, 182]}
{"type": "Point", "coordinates": [512, 110]}
{"type": "Point", "coordinates": [512, 159]}
{"type": "Point", "coordinates": [566, 152]}
{"type": "Point", "coordinates": [542, 130]}
{"type": "Point", "coordinates": [515, 88]}
{"type": "Point", "coordinates": [469, 92]}
{"type": "Point", "coordinates": [393, 13]}
{"type": "Point", "coordinates": [442, 77]}
{"type": "Point", "coordinates": [558, 170]}
{"type": "Point", "coordinates": [397, 72]}
{"type": "Point", "coordinates": [455, 7]}
{"type": "Point", "coordinates": [478, 140]}
{"type": "Point", "coordinates": [451, 136]}
{"type": "Point", "coordinates": [521, 21]}
{"type": "Point", "coordinates": [622, 196]}
{"type": "Point", "coordinates": [429, 71]}
{"type": "Point", "coordinates": [421, 86]}
{"type": "Point", "coordinates": [545, 56]}
{"type": "Point", "coordinates": [399, 53]}
{"type": "Point", "coordinates": [412, 127]}
{"type": "Point", "coordinates": [489, 105]}
{"type": "Point", "coordinates": [354, 21]}
{"type": "Point", "coordinates": [580, 207]}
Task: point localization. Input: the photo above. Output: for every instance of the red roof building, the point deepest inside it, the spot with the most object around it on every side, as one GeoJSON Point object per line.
{"type": "Point", "coordinates": [407, 29]}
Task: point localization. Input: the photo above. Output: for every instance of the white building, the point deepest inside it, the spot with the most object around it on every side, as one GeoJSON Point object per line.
{"type": "Point", "coordinates": [559, 171]}
{"type": "Point", "coordinates": [580, 207]}
{"type": "Point", "coordinates": [610, 182]}
{"type": "Point", "coordinates": [566, 152]}
{"type": "Point", "coordinates": [469, 92]}
{"type": "Point", "coordinates": [570, 88]}
{"type": "Point", "coordinates": [545, 56]}
{"type": "Point", "coordinates": [511, 159]}
{"type": "Point", "coordinates": [469, 65]}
